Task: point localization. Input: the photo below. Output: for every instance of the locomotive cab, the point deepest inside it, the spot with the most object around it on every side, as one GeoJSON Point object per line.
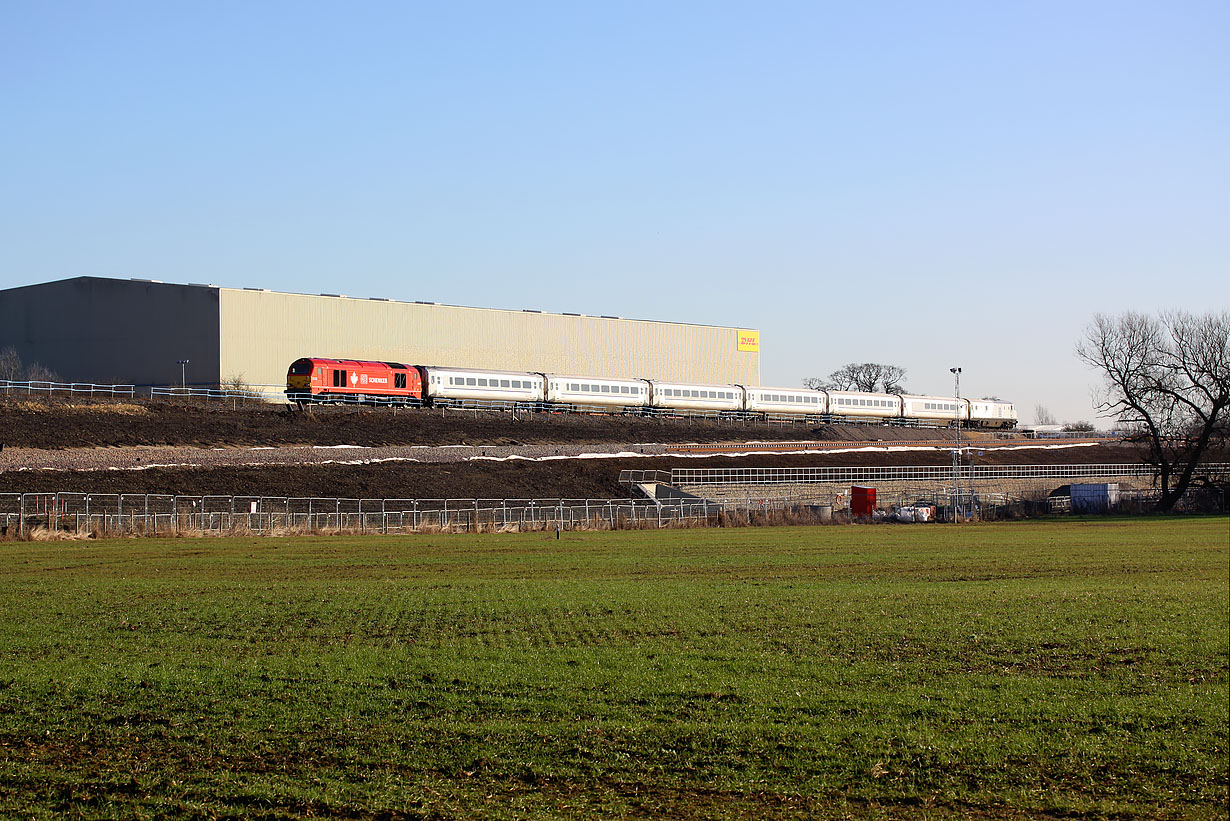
{"type": "Point", "coordinates": [299, 378]}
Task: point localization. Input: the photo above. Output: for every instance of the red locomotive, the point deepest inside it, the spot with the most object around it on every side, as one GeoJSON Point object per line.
{"type": "Point", "coordinates": [350, 380]}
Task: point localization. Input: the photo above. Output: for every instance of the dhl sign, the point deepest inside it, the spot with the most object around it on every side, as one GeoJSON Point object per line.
{"type": "Point", "coordinates": [749, 341]}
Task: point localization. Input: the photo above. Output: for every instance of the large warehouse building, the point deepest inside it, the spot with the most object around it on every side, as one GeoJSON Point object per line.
{"type": "Point", "coordinates": [117, 331]}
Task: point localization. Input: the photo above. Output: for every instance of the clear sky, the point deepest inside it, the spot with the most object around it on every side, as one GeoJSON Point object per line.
{"type": "Point", "coordinates": [922, 184]}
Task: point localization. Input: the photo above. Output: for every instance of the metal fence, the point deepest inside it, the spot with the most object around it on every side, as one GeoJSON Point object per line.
{"type": "Point", "coordinates": [858, 475]}
{"type": "Point", "coordinates": [81, 389]}
{"type": "Point", "coordinates": [92, 390]}
{"type": "Point", "coordinates": [153, 514]}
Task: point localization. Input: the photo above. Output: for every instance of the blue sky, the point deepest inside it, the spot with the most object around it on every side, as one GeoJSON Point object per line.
{"type": "Point", "coordinates": [923, 184]}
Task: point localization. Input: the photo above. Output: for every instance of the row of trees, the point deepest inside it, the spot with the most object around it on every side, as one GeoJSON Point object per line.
{"type": "Point", "coordinates": [870, 377]}
{"type": "Point", "coordinates": [13, 370]}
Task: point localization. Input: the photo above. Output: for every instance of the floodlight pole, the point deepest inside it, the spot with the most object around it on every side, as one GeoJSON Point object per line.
{"type": "Point", "coordinates": [956, 452]}
{"type": "Point", "coordinates": [183, 378]}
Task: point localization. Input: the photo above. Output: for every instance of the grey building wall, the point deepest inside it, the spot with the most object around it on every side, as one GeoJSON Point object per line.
{"type": "Point", "coordinates": [109, 330]}
{"type": "Point", "coordinates": [114, 331]}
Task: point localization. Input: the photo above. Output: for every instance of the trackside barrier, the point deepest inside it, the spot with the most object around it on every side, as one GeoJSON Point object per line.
{"type": "Point", "coordinates": [155, 514]}
{"type": "Point", "coordinates": [842, 475]}
{"type": "Point", "coordinates": [82, 389]}
{"type": "Point", "coordinates": [92, 390]}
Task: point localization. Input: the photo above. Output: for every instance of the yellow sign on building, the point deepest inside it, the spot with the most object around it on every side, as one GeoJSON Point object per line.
{"type": "Point", "coordinates": [749, 341]}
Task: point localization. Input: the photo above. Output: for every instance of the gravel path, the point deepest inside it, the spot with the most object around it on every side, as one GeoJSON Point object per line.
{"type": "Point", "coordinates": [138, 458]}
{"type": "Point", "coordinates": [144, 456]}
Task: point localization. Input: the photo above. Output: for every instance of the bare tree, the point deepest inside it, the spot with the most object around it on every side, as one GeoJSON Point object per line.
{"type": "Point", "coordinates": [13, 369]}
{"type": "Point", "coordinates": [239, 389]}
{"type": "Point", "coordinates": [1043, 416]}
{"type": "Point", "coordinates": [871, 377]}
{"type": "Point", "coordinates": [1168, 379]}
{"type": "Point", "coordinates": [41, 373]}
{"type": "Point", "coordinates": [10, 364]}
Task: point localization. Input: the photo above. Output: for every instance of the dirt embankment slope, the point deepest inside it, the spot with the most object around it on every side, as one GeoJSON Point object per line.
{"type": "Point", "coordinates": [53, 424]}
{"type": "Point", "coordinates": [116, 428]}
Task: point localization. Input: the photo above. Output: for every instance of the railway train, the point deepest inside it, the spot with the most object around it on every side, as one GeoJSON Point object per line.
{"type": "Point", "coordinates": [315, 379]}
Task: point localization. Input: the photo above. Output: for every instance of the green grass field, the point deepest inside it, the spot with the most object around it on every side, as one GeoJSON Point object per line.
{"type": "Point", "coordinates": [1074, 668]}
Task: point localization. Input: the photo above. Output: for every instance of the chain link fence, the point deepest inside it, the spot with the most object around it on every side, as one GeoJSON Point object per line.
{"type": "Point", "coordinates": [102, 514]}
{"type": "Point", "coordinates": [24, 515]}
{"type": "Point", "coordinates": [864, 475]}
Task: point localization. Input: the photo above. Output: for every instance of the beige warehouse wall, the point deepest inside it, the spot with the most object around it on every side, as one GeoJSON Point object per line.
{"type": "Point", "coordinates": [262, 332]}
